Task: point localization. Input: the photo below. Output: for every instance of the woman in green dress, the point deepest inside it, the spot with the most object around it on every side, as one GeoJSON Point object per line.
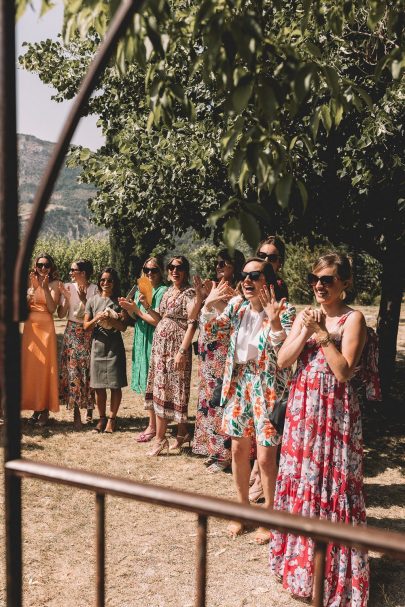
{"type": "Point", "coordinates": [143, 335]}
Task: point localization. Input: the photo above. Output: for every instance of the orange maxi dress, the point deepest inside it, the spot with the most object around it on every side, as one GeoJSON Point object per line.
{"type": "Point", "coordinates": [39, 358]}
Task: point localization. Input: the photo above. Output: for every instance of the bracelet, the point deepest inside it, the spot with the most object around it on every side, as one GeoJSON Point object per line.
{"type": "Point", "coordinates": [182, 351]}
{"type": "Point", "coordinates": [148, 309]}
{"type": "Point", "coordinates": [192, 322]}
{"type": "Point", "coordinates": [324, 341]}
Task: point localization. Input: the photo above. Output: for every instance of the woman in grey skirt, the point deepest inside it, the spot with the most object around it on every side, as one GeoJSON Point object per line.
{"type": "Point", "coordinates": [107, 361]}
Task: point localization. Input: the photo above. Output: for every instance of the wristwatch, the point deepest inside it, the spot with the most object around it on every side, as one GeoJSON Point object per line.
{"type": "Point", "coordinates": [182, 350]}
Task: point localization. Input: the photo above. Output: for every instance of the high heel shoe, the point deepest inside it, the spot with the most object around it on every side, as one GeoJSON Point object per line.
{"type": "Point", "coordinates": [180, 442]}
{"type": "Point", "coordinates": [159, 447]}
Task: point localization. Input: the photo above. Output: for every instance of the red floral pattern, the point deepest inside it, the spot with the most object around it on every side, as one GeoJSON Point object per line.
{"type": "Point", "coordinates": [321, 475]}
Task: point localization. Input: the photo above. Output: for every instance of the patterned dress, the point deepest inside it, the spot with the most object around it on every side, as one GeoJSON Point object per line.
{"type": "Point", "coordinates": [249, 390]}
{"type": "Point", "coordinates": [320, 475]}
{"type": "Point", "coordinates": [143, 336]}
{"type": "Point", "coordinates": [168, 390]}
{"type": "Point", "coordinates": [208, 437]}
{"type": "Point", "coordinates": [74, 375]}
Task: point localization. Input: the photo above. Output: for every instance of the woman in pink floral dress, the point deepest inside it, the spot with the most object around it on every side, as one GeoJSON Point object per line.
{"type": "Point", "coordinates": [321, 465]}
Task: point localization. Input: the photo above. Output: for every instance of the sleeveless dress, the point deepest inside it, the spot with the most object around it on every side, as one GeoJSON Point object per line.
{"type": "Point", "coordinates": [321, 475]}
{"type": "Point", "coordinates": [39, 358]}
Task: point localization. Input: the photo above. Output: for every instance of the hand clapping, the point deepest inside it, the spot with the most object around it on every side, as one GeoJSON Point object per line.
{"type": "Point", "coordinates": [313, 320]}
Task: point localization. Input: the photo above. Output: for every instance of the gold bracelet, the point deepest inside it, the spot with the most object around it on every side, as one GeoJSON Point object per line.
{"type": "Point", "coordinates": [324, 341]}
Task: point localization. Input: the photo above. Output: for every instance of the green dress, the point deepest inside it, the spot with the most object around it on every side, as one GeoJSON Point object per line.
{"type": "Point", "coordinates": [143, 336]}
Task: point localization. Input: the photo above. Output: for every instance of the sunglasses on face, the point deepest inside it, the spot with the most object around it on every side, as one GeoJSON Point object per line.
{"type": "Point", "coordinates": [254, 275]}
{"type": "Point", "coordinates": [107, 280]}
{"type": "Point", "coordinates": [325, 281]}
{"type": "Point", "coordinates": [180, 267]}
{"type": "Point", "coordinates": [43, 265]}
{"type": "Point", "coordinates": [271, 257]}
{"type": "Point", "coordinates": [150, 270]}
{"type": "Point", "coordinates": [74, 270]}
{"type": "Point", "coordinates": [222, 264]}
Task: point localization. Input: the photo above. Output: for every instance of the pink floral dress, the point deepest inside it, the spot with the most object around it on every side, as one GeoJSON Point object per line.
{"type": "Point", "coordinates": [321, 475]}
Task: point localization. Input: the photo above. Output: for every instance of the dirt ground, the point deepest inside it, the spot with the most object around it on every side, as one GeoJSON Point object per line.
{"type": "Point", "coordinates": [151, 550]}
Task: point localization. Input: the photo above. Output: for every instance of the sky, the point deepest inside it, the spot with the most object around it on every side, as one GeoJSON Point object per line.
{"type": "Point", "coordinates": [37, 114]}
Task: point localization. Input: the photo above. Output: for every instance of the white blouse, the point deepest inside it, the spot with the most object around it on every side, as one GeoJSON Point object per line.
{"type": "Point", "coordinates": [247, 340]}
{"type": "Point", "coordinates": [76, 307]}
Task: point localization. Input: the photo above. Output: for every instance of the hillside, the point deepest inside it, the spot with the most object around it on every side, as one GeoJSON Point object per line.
{"type": "Point", "coordinates": [67, 213]}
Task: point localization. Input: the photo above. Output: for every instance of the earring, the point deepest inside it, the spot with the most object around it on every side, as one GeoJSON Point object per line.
{"type": "Point", "coordinates": [343, 295]}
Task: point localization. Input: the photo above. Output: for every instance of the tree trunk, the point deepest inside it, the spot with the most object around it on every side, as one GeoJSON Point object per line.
{"type": "Point", "coordinates": [388, 318]}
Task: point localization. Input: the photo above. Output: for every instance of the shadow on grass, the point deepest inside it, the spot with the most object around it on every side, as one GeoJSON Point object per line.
{"type": "Point", "coordinates": [385, 496]}
{"type": "Point", "coordinates": [386, 582]}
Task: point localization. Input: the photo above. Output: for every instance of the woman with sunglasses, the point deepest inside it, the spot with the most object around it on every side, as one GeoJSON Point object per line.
{"type": "Point", "coordinates": [272, 250]}
{"type": "Point", "coordinates": [74, 377]}
{"type": "Point", "coordinates": [208, 437]}
{"type": "Point", "coordinates": [145, 325]}
{"type": "Point", "coordinates": [107, 360]}
{"type": "Point", "coordinates": [255, 324]}
{"type": "Point", "coordinates": [39, 353]}
{"type": "Point", "coordinates": [168, 386]}
{"type": "Point", "coordinates": [321, 462]}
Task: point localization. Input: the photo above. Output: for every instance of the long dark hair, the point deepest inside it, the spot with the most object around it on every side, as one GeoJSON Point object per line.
{"type": "Point", "coordinates": [53, 273]}
{"type": "Point", "coordinates": [186, 265]}
{"type": "Point", "coordinates": [116, 290]}
{"type": "Point", "coordinates": [269, 275]}
{"type": "Point", "coordinates": [237, 259]}
{"type": "Point", "coordinates": [84, 265]}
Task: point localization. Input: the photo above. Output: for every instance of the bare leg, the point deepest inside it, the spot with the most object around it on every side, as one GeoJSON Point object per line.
{"type": "Point", "coordinates": [241, 474]}
{"type": "Point", "coordinates": [116, 396]}
{"type": "Point", "coordinates": [101, 402]}
{"type": "Point", "coordinates": [267, 460]}
{"type": "Point", "coordinates": [161, 443]}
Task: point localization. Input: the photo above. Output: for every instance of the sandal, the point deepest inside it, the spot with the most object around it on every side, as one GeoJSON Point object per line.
{"type": "Point", "coordinates": [43, 418]}
{"type": "Point", "coordinates": [217, 467]}
{"type": "Point", "coordinates": [234, 529]}
{"type": "Point", "coordinates": [146, 437]}
{"type": "Point", "coordinates": [34, 419]}
{"type": "Point", "coordinates": [262, 536]}
{"type": "Point", "coordinates": [89, 416]}
{"type": "Point", "coordinates": [159, 448]}
{"type": "Point", "coordinates": [102, 422]}
{"type": "Point", "coordinates": [111, 425]}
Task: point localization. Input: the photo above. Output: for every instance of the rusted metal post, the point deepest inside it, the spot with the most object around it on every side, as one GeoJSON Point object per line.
{"type": "Point", "coordinates": [201, 564]}
{"type": "Point", "coordinates": [319, 574]}
{"type": "Point", "coordinates": [9, 334]}
{"type": "Point", "coordinates": [100, 549]}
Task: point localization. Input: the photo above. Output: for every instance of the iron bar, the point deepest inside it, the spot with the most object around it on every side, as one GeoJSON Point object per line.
{"type": "Point", "coordinates": [387, 542]}
{"type": "Point", "coordinates": [100, 549]}
{"type": "Point", "coordinates": [9, 333]}
{"type": "Point", "coordinates": [117, 27]}
{"type": "Point", "coordinates": [319, 574]}
{"type": "Point", "coordinates": [201, 564]}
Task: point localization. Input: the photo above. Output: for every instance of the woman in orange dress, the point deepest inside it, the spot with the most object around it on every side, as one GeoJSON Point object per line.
{"type": "Point", "coordinates": [39, 354]}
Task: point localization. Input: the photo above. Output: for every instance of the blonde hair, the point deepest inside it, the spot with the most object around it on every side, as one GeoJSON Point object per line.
{"type": "Point", "coordinates": [158, 263]}
{"type": "Point", "coordinates": [341, 262]}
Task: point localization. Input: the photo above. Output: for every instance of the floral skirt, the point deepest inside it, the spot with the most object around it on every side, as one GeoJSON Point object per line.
{"type": "Point", "coordinates": [74, 379]}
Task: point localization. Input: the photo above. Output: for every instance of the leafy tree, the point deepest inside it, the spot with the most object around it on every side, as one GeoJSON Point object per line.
{"type": "Point", "coordinates": [300, 104]}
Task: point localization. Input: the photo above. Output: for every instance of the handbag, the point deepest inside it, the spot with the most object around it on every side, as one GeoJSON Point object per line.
{"type": "Point", "coordinates": [215, 400]}
{"type": "Point", "coordinates": [277, 414]}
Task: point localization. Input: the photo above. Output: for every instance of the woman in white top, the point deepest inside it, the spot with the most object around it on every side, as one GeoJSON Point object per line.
{"type": "Point", "coordinates": [74, 379]}
{"type": "Point", "coordinates": [256, 325]}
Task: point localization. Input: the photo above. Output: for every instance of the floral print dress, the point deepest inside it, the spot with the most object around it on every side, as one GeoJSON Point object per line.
{"type": "Point", "coordinates": [208, 437]}
{"type": "Point", "coordinates": [249, 390]}
{"type": "Point", "coordinates": [321, 475]}
{"type": "Point", "coordinates": [168, 390]}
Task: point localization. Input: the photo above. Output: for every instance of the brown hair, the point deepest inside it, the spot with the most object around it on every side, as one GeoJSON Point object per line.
{"type": "Point", "coordinates": [53, 273]}
{"type": "Point", "coordinates": [185, 263]}
{"type": "Point", "coordinates": [341, 262]}
{"type": "Point", "coordinates": [158, 263]}
{"type": "Point", "coordinates": [277, 242]}
{"type": "Point", "coordinates": [269, 275]}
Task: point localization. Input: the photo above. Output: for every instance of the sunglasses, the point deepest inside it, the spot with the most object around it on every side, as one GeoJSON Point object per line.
{"type": "Point", "coordinates": [255, 275]}
{"type": "Point", "coordinates": [107, 280]}
{"type": "Point", "coordinates": [74, 270]}
{"type": "Point", "coordinates": [43, 265]}
{"type": "Point", "coordinates": [325, 281]}
{"type": "Point", "coordinates": [180, 267]}
{"type": "Point", "coordinates": [150, 270]}
{"type": "Point", "coordinates": [271, 257]}
{"type": "Point", "coordinates": [222, 264]}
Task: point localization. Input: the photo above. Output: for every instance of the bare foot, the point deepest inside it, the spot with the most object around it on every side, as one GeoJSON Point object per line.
{"type": "Point", "coordinates": [234, 529]}
{"type": "Point", "coordinates": [262, 536]}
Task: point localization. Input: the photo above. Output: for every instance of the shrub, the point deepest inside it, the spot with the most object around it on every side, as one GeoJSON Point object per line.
{"type": "Point", "coordinates": [64, 251]}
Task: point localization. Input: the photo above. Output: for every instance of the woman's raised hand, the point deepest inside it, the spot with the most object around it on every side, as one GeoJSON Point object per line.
{"type": "Point", "coordinates": [129, 306]}
{"type": "Point", "coordinates": [313, 320]}
{"type": "Point", "coordinates": [201, 288]}
{"type": "Point", "coordinates": [82, 292]}
{"type": "Point", "coordinates": [221, 292]}
{"type": "Point", "coordinates": [271, 306]}
{"type": "Point", "coordinates": [64, 290]}
{"type": "Point", "coordinates": [34, 280]}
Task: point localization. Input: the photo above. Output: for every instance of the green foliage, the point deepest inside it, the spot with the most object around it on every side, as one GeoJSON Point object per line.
{"type": "Point", "coordinates": [64, 252]}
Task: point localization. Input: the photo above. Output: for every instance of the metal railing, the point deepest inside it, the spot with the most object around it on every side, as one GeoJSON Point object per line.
{"type": "Point", "coordinates": [13, 310]}
{"type": "Point", "coordinates": [322, 532]}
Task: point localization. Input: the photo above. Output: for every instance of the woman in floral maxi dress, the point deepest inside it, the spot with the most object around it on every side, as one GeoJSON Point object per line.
{"type": "Point", "coordinates": [168, 386]}
{"type": "Point", "coordinates": [209, 440]}
{"type": "Point", "coordinates": [320, 472]}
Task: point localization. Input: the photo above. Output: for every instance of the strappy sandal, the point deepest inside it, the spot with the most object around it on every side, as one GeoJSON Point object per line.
{"type": "Point", "coordinates": [111, 425]}
{"type": "Point", "coordinates": [146, 437]}
{"type": "Point", "coordinates": [102, 422]}
{"type": "Point", "coordinates": [159, 448]}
